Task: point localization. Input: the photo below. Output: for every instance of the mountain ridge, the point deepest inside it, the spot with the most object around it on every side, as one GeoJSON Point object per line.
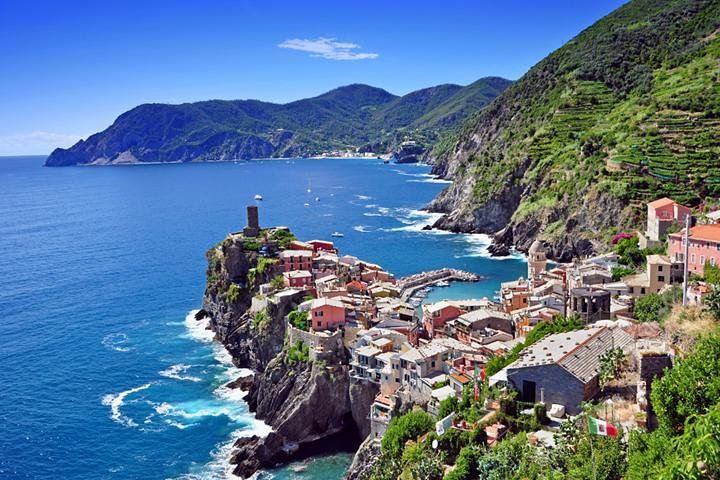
{"type": "Point", "coordinates": [354, 116]}
{"type": "Point", "coordinates": [625, 112]}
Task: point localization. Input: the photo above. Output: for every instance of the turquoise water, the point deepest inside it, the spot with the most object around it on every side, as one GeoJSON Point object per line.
{"type": "Point", "coordinates": [104, 373]}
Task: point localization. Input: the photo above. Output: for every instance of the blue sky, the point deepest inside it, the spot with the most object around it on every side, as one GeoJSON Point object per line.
{"type": "Point", "coordinates": [70, 68]}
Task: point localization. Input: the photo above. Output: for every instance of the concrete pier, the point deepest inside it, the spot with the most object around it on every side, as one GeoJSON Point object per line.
{"type": "Point", "coordinates": [411, 284]}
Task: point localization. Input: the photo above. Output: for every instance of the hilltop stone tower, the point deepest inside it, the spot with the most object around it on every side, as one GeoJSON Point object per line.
{"type": "Point", "coordinates": [253, 222]}
{"type": "Point", "coordinates": [537, 260]}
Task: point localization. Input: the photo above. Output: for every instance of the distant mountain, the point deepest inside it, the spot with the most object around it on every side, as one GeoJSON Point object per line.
{"type": "Point", "coordinates": [625, 112]}
{"type": "Point", "coordinates": [351, 117]}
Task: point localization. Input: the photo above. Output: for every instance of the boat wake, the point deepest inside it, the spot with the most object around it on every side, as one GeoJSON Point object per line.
{"type": "Point", "coordinates": [116, 342]}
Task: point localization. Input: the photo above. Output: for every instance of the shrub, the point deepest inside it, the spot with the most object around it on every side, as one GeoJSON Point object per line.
{"type": "Point", "coordinates": [263, 263]}
{"type": "Point", "coordinates": [299, 320]}
{"type": "Point", "coordinates": [620, 272]}
{"type": "Point", "coordinates": [277, 282]}
{"type": "Point", "coordinates": [260, 319]}
{"type": "Point", "coordinates": [298, 352]}
{"type": "Point", "coordinates": [233, 293]}
{"type": "Point", "coordinates": [403, 428]}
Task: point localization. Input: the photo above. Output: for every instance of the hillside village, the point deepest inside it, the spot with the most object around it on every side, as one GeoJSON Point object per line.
{"type": "Point", "coordinates": [529, 359]}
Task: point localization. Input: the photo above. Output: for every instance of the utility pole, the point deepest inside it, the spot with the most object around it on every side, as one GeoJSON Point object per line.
{"type": "Point", "coordinates": [686, 260]}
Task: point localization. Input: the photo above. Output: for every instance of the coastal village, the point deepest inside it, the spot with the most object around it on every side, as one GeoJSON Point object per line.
{"type": "Point", "coordinates": [536, 353]}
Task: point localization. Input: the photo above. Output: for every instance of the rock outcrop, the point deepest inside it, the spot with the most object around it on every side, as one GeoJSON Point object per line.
{"type": "Point", "coordinates": [311, 406]}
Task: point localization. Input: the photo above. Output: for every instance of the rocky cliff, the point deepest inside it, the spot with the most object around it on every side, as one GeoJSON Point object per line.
{"type": "Point", "coordinates": [311, 406]}
{"type": "Point", "coordinates": [624, 113]}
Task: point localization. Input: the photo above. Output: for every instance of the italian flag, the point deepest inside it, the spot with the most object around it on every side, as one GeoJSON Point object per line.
{"type": "Point", "coordinates": [601, 427]}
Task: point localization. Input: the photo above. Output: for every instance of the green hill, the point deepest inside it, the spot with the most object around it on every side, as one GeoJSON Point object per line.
{"type": "Point", "coordinates": [351, 117]}
{"type": "Point", "coordinates": [627, 111]}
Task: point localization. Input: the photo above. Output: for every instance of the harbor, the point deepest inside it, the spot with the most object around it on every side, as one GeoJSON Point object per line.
{"type": "Point", "coordinates": [421, 281]}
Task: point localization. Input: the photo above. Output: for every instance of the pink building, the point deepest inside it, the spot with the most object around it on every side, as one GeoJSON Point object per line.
{"type": "Point", "coordinates": [298, 278]}
{"type": "Point", "coordinates": [704, 247]}
{"type": "Point", "coordinates": [661, 214]}
{"type": "Point", "coordinates": [436, 315]}
{"type": "Point", "coordinates": [326, 314]}
{"type": "Point", "coordinates": [296, 260]}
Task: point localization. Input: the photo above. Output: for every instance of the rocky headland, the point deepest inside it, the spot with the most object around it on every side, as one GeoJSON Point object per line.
{"type": "Point", "coordinates": [312, 406]}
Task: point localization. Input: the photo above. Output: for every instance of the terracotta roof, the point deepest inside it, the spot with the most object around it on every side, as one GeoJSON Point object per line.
{"type": "Point", "coordinates": [706, 232]}
{"type": "Point", "coordinates": [661, 202]}
{"type": "Point", "coordinates": [460, 378]}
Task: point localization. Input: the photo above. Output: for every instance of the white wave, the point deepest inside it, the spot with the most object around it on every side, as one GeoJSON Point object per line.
{"type": "Point", "coordinates": [363, 197]}
{"type": "Point", "coordinates": [371, 214]}
{"type": "Point", "coordinates": [115, 341]}
{"type": "Point", "coordinates": [118, 400]}
{"type": "Point", "coordinates": [176, 372]}
{"type": "Point", "coordinates": [371, 205]}
{"type": "Point", "coordinates": [198, 329]}
{"type": "Point", "coordinates": [407, 174]}
{"type": "Point", "coordinates": [416, 220]}
{"type": "Point", "coordinates": [477, 246]}
{"type": "Point", "coordinates": [362, 228]}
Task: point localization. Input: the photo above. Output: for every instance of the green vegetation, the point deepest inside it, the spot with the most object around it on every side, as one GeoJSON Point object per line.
{"type": "Point", "coordinates": [655, 307]}
{"type": "Point", "coordinates": [610, 364]}
{"type": "Point", "coordinates": [277, 282]}
{"type": "Point", "coordinates": [264, 263]}
{"type": "Point", "coordinates": [233, 293]}
{"type": "Point", "coordinates": [251, 245]}
{"type": "Point", "coordinates": [712, 274]}
{"type": "Point", "coordinates": [299, 320]}
{"type": "Point", "coordinates": [298, 352]}
{"type": "Point", "coordinates": [621, 272]}
{"type": "Point", "coordinates": [404, 428]}
{"type": "Point", "coordinates": [251, 278]}
{"type": "Point", "coordinates": [349, 117]}
{"type": "Point", "coordinates": [283, 238]}
{"type": "Point", "coordinates": [260, 319]}
{"type": "Point", "coordinates": [625, 112]}
{"type": "Point", "coordinates": [687, 403]}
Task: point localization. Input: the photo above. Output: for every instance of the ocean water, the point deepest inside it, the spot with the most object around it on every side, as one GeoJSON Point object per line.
{"type": "Point", "coordinates": [104, 372]}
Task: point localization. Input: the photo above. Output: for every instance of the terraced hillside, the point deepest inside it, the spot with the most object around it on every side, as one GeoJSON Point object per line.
{"type": "Point", "coordinates": [627, 111]}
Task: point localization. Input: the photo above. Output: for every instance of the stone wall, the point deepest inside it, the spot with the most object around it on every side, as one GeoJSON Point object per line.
{"type": "Point", "coordinates": [552, 383]}
{"type": "Point", "coordinates": [327, 348]}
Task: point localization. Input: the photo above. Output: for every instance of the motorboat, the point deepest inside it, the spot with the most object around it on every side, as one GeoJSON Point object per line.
{"type": "Point", "coordinates": [337, 234]}
{"type": "Point", "coordinates": [258, 197]}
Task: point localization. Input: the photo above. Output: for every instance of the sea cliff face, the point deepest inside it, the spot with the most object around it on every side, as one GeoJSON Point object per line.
{"type": "Point", "coordinates": [311, 406]}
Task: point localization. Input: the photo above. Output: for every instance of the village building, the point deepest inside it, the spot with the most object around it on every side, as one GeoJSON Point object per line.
{"type": "Point", "coordinates": [660, 215]}
{"type": "Point", "coordinates": [660, 272]}
{"type": "Point", "coordinates": [484, 326]}
{"type": "Point", "coordinates": [704, 247]}
{"type": "Point", "coordinates": [591, 304]}
{"type": "Point", "coordinates": [564, 368]}
{"type": "Point", "coordinates": [515, 295]}
{"type": "Point", "coordinates": [326, 314]}
{"type": "Point", "coordinates": [298, 279]}
{"type": "Point", "coordinates": [296, 260]}
{"type": "Point", "coordinates": [436, 315]}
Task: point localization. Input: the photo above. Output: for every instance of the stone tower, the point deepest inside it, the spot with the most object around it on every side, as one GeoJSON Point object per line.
{"type": "Point", "coordinates": [536, 260]}
{"type": "Point", "coordinates": [253, 222]}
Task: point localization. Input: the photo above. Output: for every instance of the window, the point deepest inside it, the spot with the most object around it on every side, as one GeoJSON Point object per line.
{"type": "Point", "coordinates": [661, 278]}
{"type": "Point", "coordinates": [319, 324]}
{"type": "Point", "coordinates": [632, 290]}
{"type": "Point", "coordinates": [660, 268]}
{"type": "Point", "coordinates": [642, 290]}
{"type": "Point", "coordinates": [692, 259]}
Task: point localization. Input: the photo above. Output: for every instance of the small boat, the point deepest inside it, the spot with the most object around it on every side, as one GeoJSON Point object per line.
{"type": "Point", "coordinates": [258, 197]}
{"type": "Point", "coordinates": [386, 161]}
{"type": "Point", "coordinates": [442, 283]}
{"type": "Point", "coordinates": [317, 199]}
{"type": "Point", "coordinates": [306, 204]}
{"type": "Point", "coordinates": [337, 234]}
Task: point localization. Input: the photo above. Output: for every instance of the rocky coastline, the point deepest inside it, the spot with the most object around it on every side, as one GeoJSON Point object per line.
{"type": "Point", "coordinates": [312, 407]}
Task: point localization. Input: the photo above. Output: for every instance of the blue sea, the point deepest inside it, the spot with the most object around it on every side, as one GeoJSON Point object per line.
{"type": "Point", "coordinates": [104, 374]}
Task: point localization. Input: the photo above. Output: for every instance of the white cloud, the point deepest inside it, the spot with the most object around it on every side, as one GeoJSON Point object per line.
{"type": "Point", "coordinates": [328, 48]}
{"type": "Point", "coordinates": [35, 143]}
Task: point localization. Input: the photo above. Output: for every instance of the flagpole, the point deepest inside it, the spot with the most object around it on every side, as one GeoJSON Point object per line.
{"type": "Point", "coordinates": [592, 453]}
